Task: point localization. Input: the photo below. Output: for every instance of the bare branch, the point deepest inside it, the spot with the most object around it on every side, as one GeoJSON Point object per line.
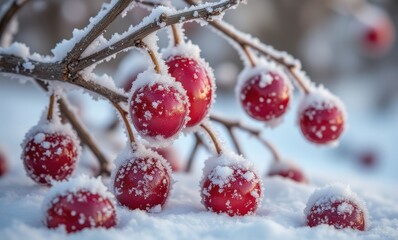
{"type": "Point", "coordinates": [15, 6]}
{"type": "Point", "coordinates": [36, 69]}
{"type": "Point", "coordinates": [162, 21]}
{"type": "Point", "coordinates": [97, 30]}
{"type": "Point", "coordinates": [230, 125]}
{"type": "Point", "coordinates": [259, 47]}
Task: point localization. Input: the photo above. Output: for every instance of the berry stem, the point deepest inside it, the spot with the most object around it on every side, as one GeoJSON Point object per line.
{"type": "Point", "coordinates": [249, 54]}
{"type": "Point", "coordinates": [123, 114]}
{"type": "Point", "coordinates": [302, 84]}
{"type": "Point", "coordinates": [217, 145]}
{"type": "Point", "coordinates": [176, 37]}
{"type": "Point", "coordinates": [151, 54]}
{"type": "Point", "coordinates": [50, 108]}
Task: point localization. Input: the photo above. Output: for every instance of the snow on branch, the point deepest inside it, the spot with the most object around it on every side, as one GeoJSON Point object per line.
{"type": "Point", "coordinates": [18, 60]}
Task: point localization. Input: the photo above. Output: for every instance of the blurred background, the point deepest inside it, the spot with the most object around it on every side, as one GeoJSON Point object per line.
{"type": "Point", "coordinates": [347, 45]}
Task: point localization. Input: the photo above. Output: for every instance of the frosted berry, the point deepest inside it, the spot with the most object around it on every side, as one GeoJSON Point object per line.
{"type": "Point", "coordinates": [336, 206]}
{"type": "Point", "coordinates": [287, 170]}
{"type": "Point", "coordinates": [79, 204]}
{"type": "Point", "coordinates": [158, 110]}
{"type": "Point", "coordinates": [321, 117]}
{"type": "Point", "coordinates": [49, 156]}
{"type": "Point", "coordinates": [231, 190]}
{"type": "Point", "coordinates": [340, 214]}
{"type": "Point", "coordinates": [142, 183]}
{"type": "Point", "coordinates": [172, 157]}
{"type": "Point", "coordinates": [3, 163]}
{"type": "Point", "coordinates": [265, 97]}
{"type": "Point", "coordinates": [196, 81]}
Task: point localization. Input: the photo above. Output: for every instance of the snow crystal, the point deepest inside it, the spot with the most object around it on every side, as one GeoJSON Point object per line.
{"type": "Point", "coordinates": [334, 193]}
{"type": "Point", "coordinates": [74, 185]}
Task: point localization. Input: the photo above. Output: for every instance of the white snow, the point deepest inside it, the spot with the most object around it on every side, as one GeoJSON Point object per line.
{"type": "Point", "coordinates": [329, 194]}
{"type": "Point", "coordinates": [74, 185]}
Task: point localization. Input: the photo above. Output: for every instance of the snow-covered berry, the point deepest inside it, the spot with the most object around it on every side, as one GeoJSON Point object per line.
{"type": "Point", "coordinates": [50, 152]}
{"type": "Point", "coordinates": [321, 117]}
{"type": "Point", "coordinates": [338, 206]}
{"type": "Point", "coordinates": [288, 170]}
{"type": "Point", "coordinates": [195, 79]}
{"type": "Point", "coordinates": [158, 109]}
{"type": "Point", "coordinates": [78, 204]}
{"type": "Point", "coordinates": [142, 180]}
{"type": "Point", "coordinates": [264, 92]}
{"type": "Point", "coordinates": [231, 186]}
{"type": "Point", "coordinates": [3, 163]}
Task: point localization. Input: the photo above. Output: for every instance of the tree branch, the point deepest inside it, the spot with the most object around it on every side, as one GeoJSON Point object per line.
{"type": "Point", "coordinates": [15, 6]}
{"type": "Point", "coordinates": [97, 30]}
{"type": "Point", "coordinates": [278, 57]}
{"type": "Point", "coordinates": [162, 21]}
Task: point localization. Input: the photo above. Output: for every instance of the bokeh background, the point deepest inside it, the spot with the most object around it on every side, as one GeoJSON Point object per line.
{"type": "Point", "coordinates": [341, 43]}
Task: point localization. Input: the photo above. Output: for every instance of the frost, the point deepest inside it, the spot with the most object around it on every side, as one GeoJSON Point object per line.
{"type": "Point", "coordinates": [74, 185]}
{"type": "Point", "coordinates": [329, 194]}
{"type": "Point", "coordinates": [263, 69]}
{"type": "Point", "coordinates": [149, 78]}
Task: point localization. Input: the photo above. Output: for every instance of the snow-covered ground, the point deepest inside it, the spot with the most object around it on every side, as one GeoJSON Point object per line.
{"type": "Point", "coordinates": [184, 217]}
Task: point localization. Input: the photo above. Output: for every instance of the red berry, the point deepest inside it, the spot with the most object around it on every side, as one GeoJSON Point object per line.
{"type": "Point", "coordinates": [196, 81]}
{"type": "Point", "coordinates": [321, 118]}
{"type": "Point", "coordinates": [378, 34]}
{"type": "Point", "coordinates": [287, 170]}
{"type": "Point", "coordinates": [142, 182]}
{"type": "Point", "coordinates": [232, 190]}
{"type": "Point", "coordinates": [171, 156]}
{"type": "Point", "coordinates": [49, 156]}
{"type": "Point", "coordinates": [79, 209]}
{"type": "Point", "coordinates": [265, 97]}
{"type": "Point", "coordinates": [336, 206]}
{"type": "Point", "coordinates": [3, 163]}
{"type": "Point", "coordinates": [158, 110]}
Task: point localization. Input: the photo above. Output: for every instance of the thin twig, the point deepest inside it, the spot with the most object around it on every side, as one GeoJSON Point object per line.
{"type": "Point", "coordinates": [213, 137]}
{"type": "Point", "coordinates": [50, 108]}
{"type": "Point", "coordinates": [97, 30]}
{"type": "Point", "coordinates": [81, 131]}
{"type": "Point", "coordinates": [176, 36]}
{"type": "Point", "coordinates": [123, 115]}
{"type": "Point", "coordinates": [259, 47]}
{"type": "Point", "coordinates": [151, 54]}
{"type": "Point", "coordinates": [163, 21]}
{"type": "Point", "coordinates": [230, 125]}
{"type": "Point", "coordinates": [15, 6]}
